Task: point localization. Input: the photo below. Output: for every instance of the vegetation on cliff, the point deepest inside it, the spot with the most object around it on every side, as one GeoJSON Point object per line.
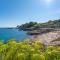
{"type": "Point", "coordinates": [35, 25]}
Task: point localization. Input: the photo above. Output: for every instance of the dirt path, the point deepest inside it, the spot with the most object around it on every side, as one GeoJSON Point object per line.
{"type": "Point", "coordinates": [48, 37]}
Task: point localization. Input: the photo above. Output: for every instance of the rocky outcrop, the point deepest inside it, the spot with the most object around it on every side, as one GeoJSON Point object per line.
{"type": "Point", "coordinates": [47, 38]}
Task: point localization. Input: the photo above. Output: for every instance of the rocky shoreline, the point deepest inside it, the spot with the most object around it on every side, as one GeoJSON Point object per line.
{"type": "Point", "coordinates": [48, 38]}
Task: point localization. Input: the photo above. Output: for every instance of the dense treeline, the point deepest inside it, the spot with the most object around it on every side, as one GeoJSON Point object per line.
{"type": "Point", "coordinates": [35, 25]}
{"type": "Point", "coordinates": [26, 25]}
{"type": "Point", "coordinates": [27, 50]}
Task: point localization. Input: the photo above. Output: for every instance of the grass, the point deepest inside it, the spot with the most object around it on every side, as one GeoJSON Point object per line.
{"type": "Point", "coordinates": [27, 50]}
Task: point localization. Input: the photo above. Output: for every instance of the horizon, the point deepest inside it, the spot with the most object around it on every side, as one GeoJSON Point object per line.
{"type": "Point", "coordinates": [26, 22]}
{"type": "Point", "coordinates": [17, 12]}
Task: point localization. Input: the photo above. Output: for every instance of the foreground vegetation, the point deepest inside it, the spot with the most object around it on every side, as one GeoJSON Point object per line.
{"type": "Point", "coordinates": [27, 50]}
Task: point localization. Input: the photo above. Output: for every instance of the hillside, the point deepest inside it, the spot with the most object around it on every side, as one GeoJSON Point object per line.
{"type": "Point", "coordinates": [35, 25]}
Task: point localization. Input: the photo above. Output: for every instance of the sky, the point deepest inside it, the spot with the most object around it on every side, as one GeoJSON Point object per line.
{"type": "Point", "coordinates": [17, 12]}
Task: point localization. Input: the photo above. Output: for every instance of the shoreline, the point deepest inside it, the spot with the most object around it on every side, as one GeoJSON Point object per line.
{"type": "Point", "coordinates": [47, 38]}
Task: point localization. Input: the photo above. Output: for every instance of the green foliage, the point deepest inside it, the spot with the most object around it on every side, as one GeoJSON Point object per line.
{"type": "Point", "coordinates": [35, 25]}
{"type": "Point", "coordinates": [1, 42]}
{"type": "Point", "coordinates": [26, 25]}
{"type": "Point", "coordinates": [13, 50]}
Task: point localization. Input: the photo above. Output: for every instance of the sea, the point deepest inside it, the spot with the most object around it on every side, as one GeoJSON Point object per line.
{"type": "Point", "coordinates": [7, 34]}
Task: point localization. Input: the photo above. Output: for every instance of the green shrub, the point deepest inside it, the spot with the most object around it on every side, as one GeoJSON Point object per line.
{"type": "Point", "coordinates": [13, 50]}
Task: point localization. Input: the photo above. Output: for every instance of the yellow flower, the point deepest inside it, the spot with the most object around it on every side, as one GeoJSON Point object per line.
{"type": "Point", "coordinates": [49, 53]}
{"type": "Point", "coordinates": [42, 57]}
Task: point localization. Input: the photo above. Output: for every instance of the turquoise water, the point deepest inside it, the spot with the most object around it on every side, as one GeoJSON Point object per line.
{"type": "Point", "coordinates": [6, 34]}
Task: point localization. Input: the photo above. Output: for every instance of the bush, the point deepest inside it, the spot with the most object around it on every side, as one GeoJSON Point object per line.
{"type": "Point", "coordinates": [13, 50]}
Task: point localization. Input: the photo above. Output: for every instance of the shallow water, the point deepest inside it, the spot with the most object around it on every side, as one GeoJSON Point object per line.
{"type": "Point", "coordinates": [6, 34]}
